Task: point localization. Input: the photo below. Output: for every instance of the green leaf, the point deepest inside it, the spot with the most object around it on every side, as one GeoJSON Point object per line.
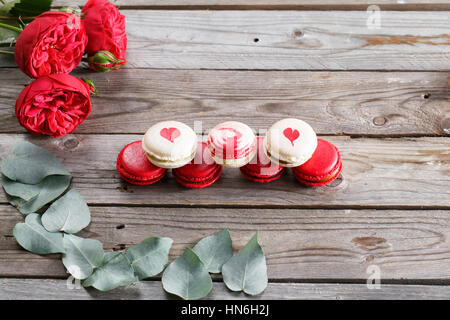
{"type": "Point", "coordinates": [187, 277]}
{"type": "Point", "coordinates": [7, 36]}
{"type": "Point", "coordinates": [215, 250]}
{"type": "Point", "coordinates": [69, 214]}
{"type": "Point", "coordinates": [23, 191]}
{"type": "Point", "coordinates": [33, 237]}
{"type": "Point", "coordinates": [82, 256]}
{"type": "Point", "coordinates": [149, 257]}
{"type": "Point", "coordinates": [50, 189]}
{"type": "Point", "coordinates": [247, 270]}
{"type": "Point", "coordinates": [6, 8]}
{"type": "Point", "coordinates": [30, 8]}
{"type": "Point", "coordinates": [30, 164]}
{"type": "Point", "coordinates": [115, 271]}
{"type": "Point", "coordinates": [15, 201]}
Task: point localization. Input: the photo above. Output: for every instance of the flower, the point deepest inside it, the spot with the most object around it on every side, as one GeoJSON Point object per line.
{"type": "Point", "coordinates": [53, 43]}
{"type": "Point", "coordinates": [104, 61]}
{"type": "Point", "coordinates": [105, 27]}
{"type": "Point", "coordinates": [54, 105]}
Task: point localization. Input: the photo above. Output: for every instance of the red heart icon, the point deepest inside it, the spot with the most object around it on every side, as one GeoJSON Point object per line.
{"type": "Point", "coordinates": [292, 135]}
{"type": "Point", "coordinates": [170, 133]}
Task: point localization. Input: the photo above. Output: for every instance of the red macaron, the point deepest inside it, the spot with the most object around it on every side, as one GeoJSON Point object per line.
{"type": "Point", "coordinates": [201, 172]}
{"type": "Point", "coordinates": [261, 169]}
{"type": "Point", "coordinates": [323, 167]}
{"type": "Point", "coordinates": [133, 166]}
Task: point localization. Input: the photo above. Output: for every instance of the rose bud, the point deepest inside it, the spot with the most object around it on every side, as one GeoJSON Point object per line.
{"type": "Point", "coordinates": [53, 43]}
{"type": "Point", "coordinates": [105, 27]}
{"type": "Point", "coordinates": [104, 61]}
{"type": "Point", "coordinates": [54, 105]}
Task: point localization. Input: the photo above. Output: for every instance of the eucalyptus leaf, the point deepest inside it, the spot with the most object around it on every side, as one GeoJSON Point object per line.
{"type": "Point", "coordinates": [247, 270]}
{"type": "Point", "coordinates": [149, 257]}
{"type": "Point", "coordinates": [30, 8]}
{"type": "Point", "coordinates": [30, 164]}
{"type": "Point", "coordinates": [82, 256]}
{"type": "Point", "coordinates": [69, 214]}
{"type": "Point", "coordinates": [15, 201]}
{"type": "Point", "coordinates": [215, 250]}
{"type": "Point", "coordinates": [33, 237]}
{"type": "Point", "coordinates": [23, 191]}
{"type": "Point", "coordinates": [115, 271]}
{"type": "Point", "coordinates": [50, 189]}
{"type": "Point", "coordinates": [187, 277]}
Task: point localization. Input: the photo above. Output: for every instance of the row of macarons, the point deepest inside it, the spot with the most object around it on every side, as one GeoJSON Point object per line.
{"type": "Point", "coordinates": [196, 164]}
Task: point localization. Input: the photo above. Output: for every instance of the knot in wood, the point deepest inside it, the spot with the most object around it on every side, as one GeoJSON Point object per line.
{"type": "Point", "coordinates": [71, 143]}
{"type": "Point", "coordinates": [379, 121]}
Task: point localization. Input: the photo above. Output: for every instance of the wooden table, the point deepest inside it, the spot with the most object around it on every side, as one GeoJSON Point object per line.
{"type": "Point", "coordinates": [381, 95]}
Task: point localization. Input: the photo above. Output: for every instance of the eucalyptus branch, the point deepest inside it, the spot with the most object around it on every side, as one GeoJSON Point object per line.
{"type": "Point", "coordinates": [7, 26]}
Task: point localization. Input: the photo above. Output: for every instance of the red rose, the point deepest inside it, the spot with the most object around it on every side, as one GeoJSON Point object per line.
{"type": "Point", "coordinates": [53, 43]}
{"type": "Point", "coordinates": [105, 27]}
{"type": "Point", "coordinates": [54, 105]}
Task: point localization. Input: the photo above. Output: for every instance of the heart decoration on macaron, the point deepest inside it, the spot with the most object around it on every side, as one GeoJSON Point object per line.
{"type": "Point", "coordinates": [291, 135]}
{"type": "Point", "coordinates": [170, 134]}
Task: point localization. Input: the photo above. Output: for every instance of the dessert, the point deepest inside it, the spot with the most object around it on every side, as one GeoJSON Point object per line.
{"type": "Point", "coordinates": [202, 172]}
{"type": "Point", "coordinates": [290, 142]}
{"type": "Point", "coordinates": [323, 167]}
{"type": "Point", "coordinates": [232, 144]}
{"type": "Point", "coordinates": [170, 144]}
{"type": "Point", "coordinates": [134, 167]}
{"type": "Point", "coordinates": [260, 168]}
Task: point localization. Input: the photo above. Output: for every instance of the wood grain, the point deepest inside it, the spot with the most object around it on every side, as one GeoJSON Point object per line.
{"type": "Point", "coordinates": [310, 245]}
{"type": "Point", "coordinates": [275, 4]}
{"type": "Point", "coordinates": [334, 40]}
{"type": "Point", "coordinates": [350, 103]}
{"type": "Point", "coordinates": [401, 172]}
{"type": "Point", "coordinates": [286, 40]}
{"type": "Point", "coordinates": [37, 289]}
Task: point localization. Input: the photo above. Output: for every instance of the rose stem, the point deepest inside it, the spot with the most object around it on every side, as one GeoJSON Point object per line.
{"type": "Point", "coordinates": [7, 52]}
{"type": "Point", "coordinates": [16, 18]}
{"type": "Point", "coordinates": [7, 26]}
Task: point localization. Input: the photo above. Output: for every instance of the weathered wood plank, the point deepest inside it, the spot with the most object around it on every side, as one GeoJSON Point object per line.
{"type": "Point", "coordinates": [338, 40]}
{"type": "Point", "coordinates": [278, 4]}
{"type": "Point", "coordinates": [354, 103]}
{"type": "Point", "coordinates": [299, 244]}
{"type": "Point", "coordinates": [38, 289]}
{"type": "Point", "coordinates": [406, 172]}
{"type": "Point", "coordinates": [287, 40]}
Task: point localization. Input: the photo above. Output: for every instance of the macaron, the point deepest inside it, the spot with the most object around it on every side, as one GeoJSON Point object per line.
{"type": "Point", "coordinates": [170, 144]}
{"type": "Point", "coordinates": [201, 172]}
{"type": "Point", "coordinates": [260, 168]}
{"type": "Point", "coordinates": [323, 167]}
{"type": "Point", "coordinates": [232, 144]}
{"type": "Point", "coordinates": [133, 166]}
{"type": "Point", "coordinates": [290, 142]}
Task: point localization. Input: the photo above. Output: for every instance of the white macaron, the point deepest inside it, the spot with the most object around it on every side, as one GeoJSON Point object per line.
{"type": "Point", "coordinates": [170, 144]}
{"type": "Point", "coordinates": [290, 142]}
